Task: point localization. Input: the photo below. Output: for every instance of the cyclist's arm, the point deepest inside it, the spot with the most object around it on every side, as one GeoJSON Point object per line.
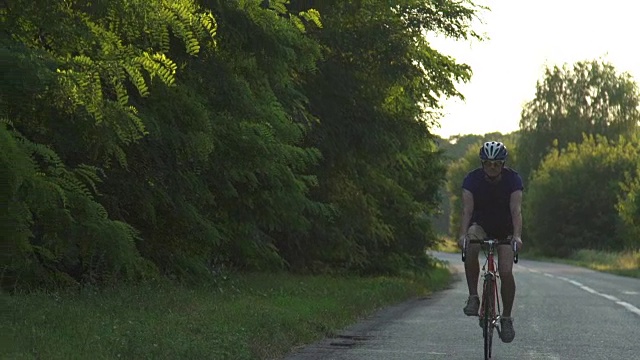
{"type": "Point", "coordinates": [467, 210]}
{"type": "Point", "coordinates": [516, 213]}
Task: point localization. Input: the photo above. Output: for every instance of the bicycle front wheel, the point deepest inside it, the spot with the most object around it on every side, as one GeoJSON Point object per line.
{"type": "Point", "coordinates": [488, 308]}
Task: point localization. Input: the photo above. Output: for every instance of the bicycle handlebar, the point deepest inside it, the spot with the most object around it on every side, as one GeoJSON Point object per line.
{"type": "Point", "coordinates": [487, 241]}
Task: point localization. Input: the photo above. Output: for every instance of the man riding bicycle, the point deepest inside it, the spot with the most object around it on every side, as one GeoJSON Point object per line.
{"type": "Point", "coordinates": [491, 208]}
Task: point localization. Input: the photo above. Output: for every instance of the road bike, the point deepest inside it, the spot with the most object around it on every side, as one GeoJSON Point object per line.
{"type": "Point", "coordinates": [490, 302]}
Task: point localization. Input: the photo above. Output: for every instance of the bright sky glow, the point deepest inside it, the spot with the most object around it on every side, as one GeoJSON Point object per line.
{"type": "Point", "coordinates": [525, 37]}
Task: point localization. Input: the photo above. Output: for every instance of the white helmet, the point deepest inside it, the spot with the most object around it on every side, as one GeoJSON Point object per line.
{"type": "Point", "coordinates": [493, 150]}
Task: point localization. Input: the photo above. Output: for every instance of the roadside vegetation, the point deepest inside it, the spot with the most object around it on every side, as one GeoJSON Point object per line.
{"type": "Point", "coordinates": [149, 146]}
{"type": "Point", "coordinates": [239, 316]}
{"type": "Point", "coordinates": [626, 263]}
{"type": "Point", "coordinates": [141, 139]}
{"type": "Point", "coordinates": [621, 263]}
{"type": "Point", "coordinates": [578, 151]}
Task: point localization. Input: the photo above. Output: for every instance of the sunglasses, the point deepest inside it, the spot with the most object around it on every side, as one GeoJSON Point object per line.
{"type": "Point", "coordinates": [493, 163]}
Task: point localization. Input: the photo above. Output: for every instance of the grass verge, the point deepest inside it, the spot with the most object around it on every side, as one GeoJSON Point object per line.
{"type": "Point", "coordinates": [626, 263]}
{"type": "Point", "coordinates": [249, 316]}
{"type": "Point", "coordinates": [447, 245]}
{"type": "Point", "coordinates": [620, 263]}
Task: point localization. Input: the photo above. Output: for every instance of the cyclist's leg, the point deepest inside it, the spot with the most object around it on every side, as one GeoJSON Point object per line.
{"type": "Point", "coordinates": [508, 284]}
{"type": "Point", "coordinates": [472, 270]}
{"type": "Point", "coordinates": [508, 291]}
{"type": "Point", "coordinates": [471, 264]}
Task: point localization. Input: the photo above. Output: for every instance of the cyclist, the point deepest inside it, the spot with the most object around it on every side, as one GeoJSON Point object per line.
{"type": "Point", "coordinates": [491, 201]}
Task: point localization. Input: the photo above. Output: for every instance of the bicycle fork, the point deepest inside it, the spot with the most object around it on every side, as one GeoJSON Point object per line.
{"type": "Point", "coordinates": [491, 278]}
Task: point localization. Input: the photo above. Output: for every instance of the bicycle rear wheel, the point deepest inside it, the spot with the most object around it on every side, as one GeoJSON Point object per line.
{"type": "Point", "coordinates": [487, 330]}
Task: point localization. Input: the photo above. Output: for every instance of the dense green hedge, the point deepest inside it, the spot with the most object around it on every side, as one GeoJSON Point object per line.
{"type": "Point", "coordinates": [178, 137]}
{"type": "Point", "coordinates": [574, 196]}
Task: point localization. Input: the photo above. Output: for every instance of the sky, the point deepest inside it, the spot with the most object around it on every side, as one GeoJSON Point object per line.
{"type": "Point", "coordinates": [526, 37]}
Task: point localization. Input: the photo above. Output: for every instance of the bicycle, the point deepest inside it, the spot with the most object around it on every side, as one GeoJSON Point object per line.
{"type": "Point", "coordinates": [490, 301]}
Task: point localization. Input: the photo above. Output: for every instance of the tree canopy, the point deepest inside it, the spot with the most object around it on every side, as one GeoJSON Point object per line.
{"type": "Point", "coordinates": [589, 97]}
{"type": "Point", "coordinates": [178, 137]}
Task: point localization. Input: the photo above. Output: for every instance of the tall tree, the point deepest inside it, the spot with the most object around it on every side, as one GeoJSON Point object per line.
{"type": "Point", "coordinates": [74, 74]}
{"type": "Point", "coordinates": [225, 154]}
{"type": "Point", "coordinates": [123, 153]}
{"type": "Point", "coordinates": [375, 96]}
{"type": "Point", "coordinates": [590, 97]}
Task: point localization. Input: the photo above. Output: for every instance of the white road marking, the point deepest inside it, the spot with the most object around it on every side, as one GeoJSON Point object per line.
{"type": "Point", "coordinates": [537, 355]}
{"type": "Point", "coordinates": [407, 352]}
{"type": "Point", "coordinates": [609, 297]}
{"type": "Point", "coordinates": [575, 283]}
{"type": "Point", "coordinates": [629, 307]}
{"type": "Point", "coordinates": [624, 304]}
{"type": "Point", "coordinates": [588, 289]}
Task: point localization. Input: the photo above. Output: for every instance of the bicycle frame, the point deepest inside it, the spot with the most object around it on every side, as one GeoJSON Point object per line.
{"type": "Point", "coordinates": [490, 302]}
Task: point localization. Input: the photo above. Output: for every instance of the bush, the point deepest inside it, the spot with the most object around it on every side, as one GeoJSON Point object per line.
{"type": "Point", "coordinates": [53, 230]}
{"type": "Point", "coordinates": [571, 202]}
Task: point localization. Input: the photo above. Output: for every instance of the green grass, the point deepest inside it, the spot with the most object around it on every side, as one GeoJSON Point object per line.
{"type": "Point", "coordinates": [621, 263]}
{"type": "Point", "coordinates": [625, 263]}
{"type": "Point", "coordinates": [447, 245]}
{"type": "Point", "coordinates": [250, 316]}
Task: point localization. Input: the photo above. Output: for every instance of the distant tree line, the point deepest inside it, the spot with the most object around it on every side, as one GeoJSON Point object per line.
{"type": "Point", "coordinates": [578, 150]}
{"type": "Point", "coordinates": [175, 137]}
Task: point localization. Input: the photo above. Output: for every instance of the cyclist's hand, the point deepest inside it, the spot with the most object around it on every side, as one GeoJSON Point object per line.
{"type": "Point", "coordinates": [518, 242]}
{"type": "Point", "coordinates": [461, 241]}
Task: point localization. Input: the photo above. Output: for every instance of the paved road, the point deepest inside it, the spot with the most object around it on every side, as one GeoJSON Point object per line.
{"type": "Point", "coordinates": [561, 312]}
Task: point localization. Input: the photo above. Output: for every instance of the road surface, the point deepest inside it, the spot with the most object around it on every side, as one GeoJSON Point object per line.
{"type": "Point", "coordinates": [560, 312]}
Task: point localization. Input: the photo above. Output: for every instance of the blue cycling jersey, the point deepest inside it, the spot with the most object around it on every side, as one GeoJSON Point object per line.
{"type": "Point", "coordinates": [491, 200]}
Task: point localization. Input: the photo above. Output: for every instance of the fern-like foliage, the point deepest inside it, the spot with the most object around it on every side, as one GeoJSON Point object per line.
{"type": "Point", "coordinates": [54, 232]}
{"type": "Point", "coordinates": [102, 48]}
{"type": "Point", "coordinates": [312, 16]}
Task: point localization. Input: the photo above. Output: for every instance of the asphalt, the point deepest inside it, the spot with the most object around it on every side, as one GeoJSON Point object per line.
{"type": "Point", "coordinates": [560, 312]}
